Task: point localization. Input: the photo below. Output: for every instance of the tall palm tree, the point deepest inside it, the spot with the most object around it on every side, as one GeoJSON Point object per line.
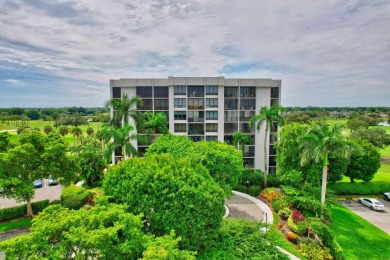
{"type": "Point", "coordinates": [267, 117]}
{"type": "Point", "coordinates": [90, 131]}
{"type": "Point", "coordinates": [319, 141]}
{"type": "Point", "coordinates": [76, 131]}
{"type": "Point", "coordinates": [120, 138]}
{"type": "Point", "coordinates": [64, 130]}
{"type": "Point", "coordinates": [155, 123]}
{"type": "Point", "coordinates": [240, 139]}
{"type": "Point", "coordinates": [125, 108]}
{"type": "Point", "coordinates": [47, 129]}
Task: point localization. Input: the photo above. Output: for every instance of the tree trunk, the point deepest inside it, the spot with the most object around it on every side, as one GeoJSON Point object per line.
{"type": "Point", "coordinates": [265, 158]}
{"type": "Point", "coordinates": [323, 188]}
{"type": "Point", "coordinates": [30, 213]}
{"type": "Point", "coordinates": [352, 179]}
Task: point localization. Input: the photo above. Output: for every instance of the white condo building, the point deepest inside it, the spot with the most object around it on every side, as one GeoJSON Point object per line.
{"type": "Point", "coordinates": [208, 108]}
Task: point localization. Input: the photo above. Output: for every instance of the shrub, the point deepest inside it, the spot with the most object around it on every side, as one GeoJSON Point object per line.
{"type": "Point", "coordinates": [270, 190]}
{"type": "Point", "coordinates": [297, 216]}
{"type": "Point", "coordinates": [292, 178]}
{"type": "Point", "coordinates": [291, 236]}
{"type": "Point", "coordinates": [279, 202]}
{"type": "Point", "coordinates": [291, 224]}
{"type": "Point", "coordinates": [254, 190]}
{"type": "Point", "coordinates": [20, 211]}
{"type": "Point", "coordinates": [39, 206]}
{"type": "Point", "coordinates": [273, 180]}
{"type": "Point", "coordinates": [284, 213]}
{"type": "Point", "coordinates": [241, 188]}
{"type": "Point", "coordinates": [346, 188]}
{"type": "Point", "coordinates": [74, 197]}
{"type": "Point", "coordinates": [53, 202]}
{"type": "Point", "coordinates": [315, 251]}
{"type": "Point", "coordinates": [253, 177]}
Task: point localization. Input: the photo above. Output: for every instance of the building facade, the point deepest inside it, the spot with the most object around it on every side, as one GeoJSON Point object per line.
{"type": "Point", "coordinates": [208, 108]}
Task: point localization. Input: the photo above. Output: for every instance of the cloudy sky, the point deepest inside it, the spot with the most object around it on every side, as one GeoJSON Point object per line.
{"type": "Point", "coordinates": [63, 52]}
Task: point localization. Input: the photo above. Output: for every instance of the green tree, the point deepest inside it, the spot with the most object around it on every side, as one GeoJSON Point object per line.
{"type": "Point", "coordinates": [365, 161]}
{"type": "Point", "coordinates": [90, 131]}
{"type": "Point", "coordinates": [120, 139]}
{"type": "Point", "coordinates": [376, 136]}
{"type": "Point", "coordinates": [4, 141]}
{"type": "Point", "coordinates": [267, 117]}
{"type": "Point", "coordinates": [77, 132]}
{"type": "Point", "coordinates": [64, 130]}
{"type": "Point", "coordinates": [318, 143]}
{"type": "Point", "coordinates": [125, 108]}
{"type": "Point", "coordinates": [241, 140]}
{"type": "Point", "coordinates": [33, 114]}
{"type": "Point", "coordinates": [47, 129]}
{"type": "Point", "coordinates": [355, 124]}
{"type": "Point", "coordinates": [163, 183]}
{"type": "Point", "coordinates": [155, 123]}
{"type": "Point", "coordinates": [101, 232]}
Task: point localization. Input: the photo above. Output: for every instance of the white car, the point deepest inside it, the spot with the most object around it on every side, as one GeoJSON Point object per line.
{"type": "Point", "coordinates": [386, 196]}
{"type": "Point", "coordinates": [373, 204]}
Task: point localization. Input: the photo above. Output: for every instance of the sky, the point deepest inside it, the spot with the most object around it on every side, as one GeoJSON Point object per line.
{"type": "Point", "coordinates": [63, 53]}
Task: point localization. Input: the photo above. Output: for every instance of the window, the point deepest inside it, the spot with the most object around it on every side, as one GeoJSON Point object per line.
{"type": "Point", "coordinates": [211, 138]}
{"type": "Point", "coordinates": [161, 104]}
{"type": "Point", "coordinates": [247, 92]}
{"type": "Point", "coordinates": [272, 170]}
{"type": "Point", "coordinates": [180, 128]}
{"type": "Point", "coordinates": [195, 129]}
{"type": "Point", "coordinates": [179, 90]}
{"type": "Point", "coordinates": [274, 101]}
{"type": "Point", "coordinates": [231, 91]}
{"type": "Point", "coordinates": [230, 128]}
{"type": "Point", "coordinates": [196, 138]}
{"type": "Point", "coordinates": [195, 103]}
{"type": "Point", "coordinates": [196, 91]}
{"type": "Point", "coordinates": [211, 102]}
{"type": "Point", "coordinates": [274, 92]}
{"type": "Point", "coordinates": [249, 151]}
{"type": "Point", "coordinates": [195, 116]}
{"type": "Point", "coordinates": [180, 102]}
{"type": "Point", "coordinates": [211, 90]}
{"type": "Point", "coordinates": [211, 127]}
{"type": "Point", "coordinates": [272, 161]}
{"type": "Point", "coordinates": [249, 162]}
{"type": "Point", "coordinates": [160, 92]}
{"type": "Point", "coordinates": [148, 105]}
{"type": "Point", "coordinates": [180, 115]}
{"type": "Point", "coordinates": [145, 92]}
{"type": "Point", "coordinates": [212, 115]}
{"type": "Point", "coordinates": [246, 115]}
{"type": "Point", "coordinates": [247, 104]}
{"type": "Point", "coordinates": [228, 139]}
{"type": "Point", "coordinates": [244, 128]}
{"type": "Point", "coordinates": [231, 104]}
{"type": "Point", "coordinates": [116, 92]}
{"type": "Point", "coordinates": [272, 150]}
{"type": "Point", "coordinates": [231, 116]}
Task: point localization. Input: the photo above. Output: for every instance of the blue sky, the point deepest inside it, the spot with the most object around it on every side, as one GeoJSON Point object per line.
{"type": "Point", "coordinates": [64, 52]}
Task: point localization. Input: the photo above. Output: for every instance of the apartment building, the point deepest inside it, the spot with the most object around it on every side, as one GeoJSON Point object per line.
{"type": "Point", "coordinates": [208, 108]}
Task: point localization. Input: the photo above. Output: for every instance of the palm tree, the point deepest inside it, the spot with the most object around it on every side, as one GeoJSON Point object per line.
{"type": "Point", "coordinates": [267, 116]}
{"type": "Point", "coordinates": [76, 131]}
{"type": "Point", "coordinates": [90, 131]}
{"type": "Point", "coordinates": [120, 138]}
{"type": "Point", "coordinates": [240, 139]}
{"type": "Point", "coordinates": [47, 129]}
{"type": "Point", "coordinates": [125, 108]}
{"type": "Point", "coordinates": [155, 123]}
{"type": "Point", "coordinates": [64, 130]}
{"type": "Point", "coordinates": [319, 141]}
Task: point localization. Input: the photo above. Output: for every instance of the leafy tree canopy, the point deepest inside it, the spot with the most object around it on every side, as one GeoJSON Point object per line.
{"type": "Point", "coordinates": [376, 136]}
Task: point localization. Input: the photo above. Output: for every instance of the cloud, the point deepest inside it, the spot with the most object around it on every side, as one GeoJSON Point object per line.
{"type": "Point", "coordinates": [330, 53]}
{"type": "Point", "coordinates": [12, 81]}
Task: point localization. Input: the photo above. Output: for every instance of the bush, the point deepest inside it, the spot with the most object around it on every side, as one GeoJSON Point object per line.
{"type": "Point", "coordinates": [53, 202]}
{"type": "Point", "coordinates": [315, 251]}
{"type": "Point", "coordinates": [273, 180]}
{"type": "Point", "coordinates": [346, 188]}
{"type": "Point", "coordinates": [291, 236]}
{"type": "Point", "coordinates": [39, 206]}
{"type": "Point", "coordinates": [284, 213]}
{"type": "Point", "coordinates": [291, 224]}
{"type": "Point", "coordinates": [21, 211]}
{"type": "Point", "coordinates": [241, 188]}
{"type": "Point", "coordinates": [254, 190]}
{"type": "Point", "coordinates": [279, 202]}
{"type": "Point", "coordinates": [297, 216]}
{"type": "Point", "coordinates": [74, 197]}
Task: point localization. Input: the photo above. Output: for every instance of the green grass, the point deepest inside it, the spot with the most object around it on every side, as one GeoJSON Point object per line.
{"type": "Point", "coordinates": [385, 152]}
{"type": "Point", "coordinates": [383, 175]}
{"type": "Point", "coordinates": [279, 240]}
{"type": "Point", "coordinates": [24, 222]}
{"type": "Point", "coordinates": [358, 238]}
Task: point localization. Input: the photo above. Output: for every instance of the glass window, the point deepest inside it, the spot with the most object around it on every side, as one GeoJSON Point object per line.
{"type": "Point", "coordinates": [180, 102]}
{"type": "Point", "coordinates": [196, 138]}
{"type": "Point", "coordinates": [211, 138]}
{"type": "Point", "coordinates": [196, 103]}
{"type": "Point", "coordinates": [274, 92]}
{"type": "Point", "coordinates": [272, 170]}
{"type": "Point", "coordinates": [180, 128]}
{"type": "Point", "coordinates": [231, 116]}
{"type": "Point", "coordinates": [272, 138]}
{"type": "Point", "coordinates": [228, 139]}
{"type": "Point", "coordinates": [116, 92]}
{"type": "Point", "coordinates": [161, 104]}
{"type": "Point", "coordinates": [274, 101]}
{"type": "Point", "coordinates": [272, 161]}
{"type": "Point", "coordinates": [195, 116]}
{"type": "Point", "coordinates": [179, 90]}
{"type": "Point", "coordinates": [244, 128]}
{"type": "Point", "coordinates": [247, 104]}
{"type": "Point", "coordinates": [231, 104]}
{"type": "Point", "coordinates": [246, 115]}
{"type": "Point", "coordinates": [196, 91]}
{"type": "Point", "coordinates": [249, 151]}
{"type": "Point", "coordinates": [247, 92]}
{"type": "Point", "coordinates": [211, 127]}
{"type": "Point", "coordinates": [145, 92]}
{"type": "Point", "coordinates": [180, 115]}
{"type": "Point", "coordinates": [161, 92]}
{"type": "Point", "coordinates": [148, 105]}
{"type": "Point", "coordinates": [231, 91]}
{"type": "Point", "coordinates": [230, 127]}
{"type": "Point", "coordinates": [212, 115]}
{"type": "Point", "coordinates": [195, 129]}
{"type": "Point", "coordinates": [211, 90]}
{"type": "Point", "coordinates": [249, 162]}
{"type": "Point", "coordinates": [272, 150]}
{"type": "Point", "coordinates": [211, 102]}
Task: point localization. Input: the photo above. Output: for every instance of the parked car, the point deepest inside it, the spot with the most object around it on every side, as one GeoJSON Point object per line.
{"type": "Point", "coordinates": [373, 204]}
{"type": "Point", "coordinates": [52, 181]}
{"type": "Point", "coordinates": [386, 196]}
{"type": "Point", "coordinates": [38, 183]}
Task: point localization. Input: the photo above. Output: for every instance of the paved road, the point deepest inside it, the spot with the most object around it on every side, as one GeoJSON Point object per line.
{"type": "Point", "coordinates": [46, 192]}
{"type": "Point", "coordinates": [381, 219]}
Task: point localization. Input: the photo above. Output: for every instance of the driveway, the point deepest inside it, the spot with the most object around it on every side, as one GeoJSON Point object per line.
{"type": "Point", "coordinates": [45, 193]}
{"type": "Point", "coordinates": [381, 219]}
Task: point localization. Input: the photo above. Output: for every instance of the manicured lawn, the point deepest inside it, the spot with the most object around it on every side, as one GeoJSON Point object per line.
{"type": "Point", "coordinates": [358, 238]}
{"type": "Point", "coordinates": [15, 224]}
{"type": "Point", "coordinates": [385, 152]}
{"type": "Point", "coordinates": [383, 175]}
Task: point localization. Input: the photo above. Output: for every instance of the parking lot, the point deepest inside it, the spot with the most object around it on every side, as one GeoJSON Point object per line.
{"type": "Point", "coordinates": [46, 192]}
{"type": "Point", "coordinates": [381, 219]}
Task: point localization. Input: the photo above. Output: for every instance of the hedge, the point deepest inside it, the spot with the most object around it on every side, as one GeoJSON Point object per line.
{"type": "Point", "coordinates": [346, 188]}
{"type": "Point", "coordinates": [74, 197]}
{"type": "Point", "coordinates": [21, 211]}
